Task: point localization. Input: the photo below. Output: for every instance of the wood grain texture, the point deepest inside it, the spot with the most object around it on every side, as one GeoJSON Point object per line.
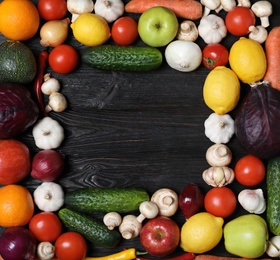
{"type": "Point", "coordinates": [135, 130]}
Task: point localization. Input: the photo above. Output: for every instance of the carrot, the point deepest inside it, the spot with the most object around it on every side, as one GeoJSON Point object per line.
{"type": "Point", "coordinates": [187, 9]}
{"type": "Point", "coordinates": [272, 50]}
{"type": "Point", "coordinates": [213, 257]}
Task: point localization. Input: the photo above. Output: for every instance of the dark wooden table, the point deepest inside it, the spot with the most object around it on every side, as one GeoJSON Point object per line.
{"type": "Point", "coordinates": [136, 130]}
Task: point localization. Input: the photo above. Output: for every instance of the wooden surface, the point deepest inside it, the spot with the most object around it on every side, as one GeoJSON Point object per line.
{"type": "Point", "coordinates": [135, 130]}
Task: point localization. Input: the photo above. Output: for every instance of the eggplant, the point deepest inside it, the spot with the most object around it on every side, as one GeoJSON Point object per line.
{"type": "Point", "coordinates": [18, 111]}
{"type": "Point", "coordinates": [257, 122]}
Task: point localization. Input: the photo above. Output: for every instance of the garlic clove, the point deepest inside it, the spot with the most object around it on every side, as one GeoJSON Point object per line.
{"type": "Point", "coordinates": [252, 200]}
{"type": "Point", "coordinates": [218, 176]}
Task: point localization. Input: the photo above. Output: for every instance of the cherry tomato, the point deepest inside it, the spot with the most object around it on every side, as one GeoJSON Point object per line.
{"type": "Point", "coordinates": [214, 55]}
{"type": "Point", "coordinates": [70, 246]}
{"type": "Point", "coordinates": [63, 59]}
{"type": "Point", "coordinates": [124, 31]}
{"type": "Point", "coordinates": [249, 170]}
{"type": "Point", "coordinates": [220, 201]}
{"type": "Point", "coordinates": [45, 226]}
{"type": "Point", "coordinates": [239, 19]}
{"type": "Point", "coordinates": [52, 9]}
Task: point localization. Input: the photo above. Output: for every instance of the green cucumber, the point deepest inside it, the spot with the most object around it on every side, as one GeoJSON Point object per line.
{"type": "Point", "coordinates": [273, 195]}
{"type": "Point", "coordinates": [93, 230]}
{"type": "Point", "coordinates": [104, 200]}
{"type": "Point", "coordinates": [124, 58]}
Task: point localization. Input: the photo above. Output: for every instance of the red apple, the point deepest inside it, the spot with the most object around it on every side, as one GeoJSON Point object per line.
{"type": "Point", "coordinates": [15, 163]}
{"type": "Point", "coordinates": [160, 236]}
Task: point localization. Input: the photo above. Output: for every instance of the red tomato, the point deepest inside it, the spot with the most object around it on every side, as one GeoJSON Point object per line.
{"type": "Point", "coordinates": [52, 9]}
{"type": "Point", "coordinates": [45, 226]}
{"type": "Point", "coordinates": [220, 201]}
{"type": "Point", "coordinates": [70, 246]}
{"type": "Point", "coordinates": [214, 55]}
{"type": "Point", "coordinates": [63, 59]}
{"type": "Point", "coordinates": [124, 31]}
{"type": "Point", "coordinates": [239, 19]}
{"type": "Point", "coordinates": [249, 170]}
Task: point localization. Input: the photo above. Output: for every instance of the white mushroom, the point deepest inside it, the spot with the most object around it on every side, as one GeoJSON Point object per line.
{"type": "Point", "coordinates": [166, 200]}
{"type": "Point", "coordinates": [50, 85]}
{"type": "Point", "coordinates": [57, 102]}
{"type": "Point", "coordinates": [77, 7]}
{"type": "Point", "coordinates": [244, 3]}
{"type": "Point", "coordinates": [210, 5]}
{"type": "Point", "coordinates": [131, 225]}
{"type": "Point", "coordinates": [258, 33]}
{"type": "Point", "coordinates": [226, 5]}
{"type": "Point", "coordinates": [218, 155]}
{"type": "Point", "coordinates": [262, 9]}
{"type": "Point", "coordinates": [187, 31]}
{"type": "Point", "coordinates": [112, 220]}
{"type": "Point", "coordinates": [45, 251]}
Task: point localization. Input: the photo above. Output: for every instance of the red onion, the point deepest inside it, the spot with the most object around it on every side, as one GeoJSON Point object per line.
{"type": "Point", "coordinates": [17, 243]}
{"type": "Point", "coordinates": [47, 165]}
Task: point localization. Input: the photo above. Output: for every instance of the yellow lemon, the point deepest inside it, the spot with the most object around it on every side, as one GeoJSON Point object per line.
{"type": "Point", "coordinates": [201, 233]}
{"type": "Point", "coordinates": [91, 29]}
{"type": "Point", "coordinates": [248, 60]}
{"type": "Point", "coordinates": [221, 90]}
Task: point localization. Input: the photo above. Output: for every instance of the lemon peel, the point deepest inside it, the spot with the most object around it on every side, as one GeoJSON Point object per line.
{"type": "Point", "coordinates": [248, 60]}
{"type": "Point", "coordinates": [221, 90]}
{"type": "Point", "coordinates": [201, 233]}
{"type": "Point", "coordinates": [90, 29]}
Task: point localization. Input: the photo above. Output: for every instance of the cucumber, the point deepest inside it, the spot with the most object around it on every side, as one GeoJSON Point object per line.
{"type": "Point", "coordinates": [273, 195]}
{"type": "Point", "coordinates": [93, 230]}
{"type": "Point", "coordinates": [124, 58]}
{"type": "Point", "coordinates": [104, 200]}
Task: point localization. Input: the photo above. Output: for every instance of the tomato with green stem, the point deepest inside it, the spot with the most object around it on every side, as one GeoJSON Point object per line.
{"type": "Point", "coordinates": [70, 246]}
{"type": "Point", "coordinates": [239, 19]}
{"type": "Point", "coordinates": [249, 170]}
{"type": "Point", "coordinates": [45, 226]}
{"type": "Point", "coordinates": [124, 31]}
{"type": "Point", "coordinates": [220, 201]}
{"type": "Point", "coordinates": [214, 55]}
{"type": "Point", "coordinates": [52, 9]}
{"type": "Point", "coordinates": [63, 59]}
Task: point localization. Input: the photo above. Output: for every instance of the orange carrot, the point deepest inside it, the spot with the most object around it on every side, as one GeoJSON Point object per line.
{"type": "Point", "coordinates": [187, 9]}
{"type": "Point", "coordinates": [213, 257]}
{"type": "Point", "coordinates": [272, 50]}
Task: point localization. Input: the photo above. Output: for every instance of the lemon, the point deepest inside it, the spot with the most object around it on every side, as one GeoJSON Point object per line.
{"type": "Point", "coordinates": [91, 29]}
{"type": "Point", "coordinates": [221, 90]}
{"type": "Point", "coordinates": [201, 232]}
{"type": "Point", "coordinates": [248, 60]}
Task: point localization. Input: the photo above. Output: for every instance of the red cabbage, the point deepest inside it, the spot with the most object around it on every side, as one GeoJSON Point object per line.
{"type": "Point", "coordinates": [17, 243]}
{"type": "Point", "coordinates": [257, 123]}
{"type": "Point", "coordinates": [18, 111]}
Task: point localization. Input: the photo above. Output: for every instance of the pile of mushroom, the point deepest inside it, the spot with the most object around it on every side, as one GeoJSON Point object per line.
{"type": "Point", "coordinates": [164, 202]}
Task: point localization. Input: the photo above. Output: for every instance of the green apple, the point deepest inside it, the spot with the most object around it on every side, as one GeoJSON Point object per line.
{"type": "Point", "coordinates": [158, 26]}
{"type": "Point", "coordinates": [246, 236]}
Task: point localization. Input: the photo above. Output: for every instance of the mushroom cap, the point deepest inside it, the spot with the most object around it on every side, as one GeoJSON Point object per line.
{"type": "Point", "coordinates": [262, 8]}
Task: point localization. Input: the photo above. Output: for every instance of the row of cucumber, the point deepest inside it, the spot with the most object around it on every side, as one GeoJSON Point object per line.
{"type": "Point", "coordinates": [82, 203]}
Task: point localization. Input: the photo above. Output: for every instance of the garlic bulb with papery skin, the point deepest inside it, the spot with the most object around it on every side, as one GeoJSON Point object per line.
{"type": "Point", "coordinates": [273, 247]}
{"type": "Point", "coordinates": [252, 200]}
{"type": "Point", "coordinates": [218, 176]}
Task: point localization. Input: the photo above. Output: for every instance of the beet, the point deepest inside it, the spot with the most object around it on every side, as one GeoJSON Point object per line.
{"type": "Point", "coordinates": [18, 111]}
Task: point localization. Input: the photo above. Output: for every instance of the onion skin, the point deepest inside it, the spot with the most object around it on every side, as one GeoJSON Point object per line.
{"type": "Point", "coordinates": [47, 165]}
{"type": "Point", "coordinates": [257, 122]}
{"type": "Point", "coordinates": [54, 32]}
{"type": "Point", "coordinates": [17, 243]}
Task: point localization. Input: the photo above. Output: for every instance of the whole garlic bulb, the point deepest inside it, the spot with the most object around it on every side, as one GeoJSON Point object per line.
{"type": "Point", "coordinates": [252, 200]}
{"type": "Point", "coordinates": [218, 176]}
